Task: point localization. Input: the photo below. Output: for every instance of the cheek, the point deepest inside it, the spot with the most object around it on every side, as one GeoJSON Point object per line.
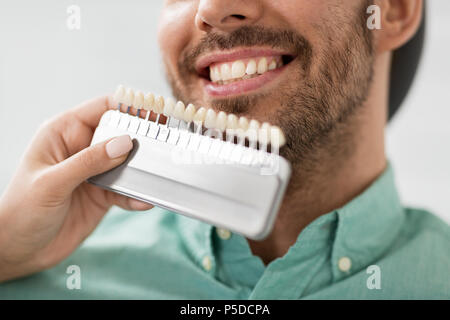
{"type": "Point", "coordinates": [175, 31]}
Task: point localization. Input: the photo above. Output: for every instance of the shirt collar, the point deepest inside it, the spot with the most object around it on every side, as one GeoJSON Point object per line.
{"type": "Point", "coordinates": [362, 230]}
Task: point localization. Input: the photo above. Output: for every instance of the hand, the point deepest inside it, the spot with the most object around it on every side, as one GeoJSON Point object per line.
{"type": "Point", "coordinates": [48, 209]}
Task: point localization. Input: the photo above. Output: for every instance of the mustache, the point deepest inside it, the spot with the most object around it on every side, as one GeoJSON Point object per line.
{"type": "Point", "coordinates": [287, 40]}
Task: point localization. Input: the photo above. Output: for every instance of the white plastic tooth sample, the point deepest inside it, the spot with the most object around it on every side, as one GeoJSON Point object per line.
{"type": "Point", "coordinates": [264, 133]}
{"type": "Point", "coordinates": [159, 105]}
{"type": "Point", "coordinates": [232, 122]}
{"type": "Point", "coordinates": [277, 138]}
{"type": "Point", "coordinates": [200, 115]}
{"type": "Point", "coordinates": [238, 69]}
{"type": "Point", "coordinates": [129, 97]}
{"type": "Point", "coordinates": [262, 65]}
{"type": "Point", "coordinates": [189, 113]}
{"type": "Point", "coordinates": [225, 72]}
{"type": "Point", "coordinates": [169, 107]}
{"type": "Point", "coordinates": [138, 100]}
{"type": "Point", "coordinates": [178, 113]}
{"type": "Point", "coordinates": [243, 123]}
{"type": "Point", "coordinates": [221, 121]}
{"type": "Point", "coordinates": [252, 131]}
{"type": "Point", "coordinates": [272, 65]}
{"type": "Point", "coordinates": [251, 67]}
{"type": "Point", "coordinates": [210, 119]}
{"type": "Point", "coordinates": [149, 101]}
{"type": "Point", "coordinates": [119, 94]}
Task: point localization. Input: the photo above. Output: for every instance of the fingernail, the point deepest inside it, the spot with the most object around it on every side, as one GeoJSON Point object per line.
{"type": "Point", "coordinates": [119, 146]}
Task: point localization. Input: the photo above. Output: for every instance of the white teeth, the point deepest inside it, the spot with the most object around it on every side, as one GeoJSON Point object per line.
{"type": "Point", "coordinates": [225, 72]}
{"type": "Point", "coordinates": [129, 97]}
{"type": "Point", "coordinates": [272, 65]}
{"type": "Point", "coordinates": [214, 74]}
{"type": "Point", "coordinates": [221, 121]}
{"type": "Point", "coordinates": [238, 69]}
{"type": "Point", "coordinates": [189, 113]}
{"type": "Point", "coordinates": [119, 94]}
{"type": "Point", "coordinates": [169, 107]}
{"type": "Point", "coordinates": [262, 66]}
{"type": "Point", "coordinates": [200, 115]}
{"type": "Point", "coordinates": [232, 122]}
{"type": "Point", "coordinates": [241, 127]}
{"type": "Point", "coordinates": [159, 105]}
{"type": "Point", "coordinates": [264, 133]}
{"type": "Point", "coordinates": [251, 67]}
{"type": "Point", "coordinates": [277, 138]}
{"type": "Point", "coordinates": [210, 119]}
{"type": "Point", "coordinates": [149, 101]}
{"type": "Point", "coordinates": [138, 100]}
{"type": "Point", "coordinates": [252, 131]}
{"type": "Point", "coordinates": [178, 113]}
{"type": "Point", "coordinates": [243, 123]}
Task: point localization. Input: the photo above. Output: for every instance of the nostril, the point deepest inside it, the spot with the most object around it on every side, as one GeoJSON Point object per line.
{"type": "Point", "coordinates": [238, 16]}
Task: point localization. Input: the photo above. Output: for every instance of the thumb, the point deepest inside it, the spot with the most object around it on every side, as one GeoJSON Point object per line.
{"type": "Point", "coordinates": [92, 161]}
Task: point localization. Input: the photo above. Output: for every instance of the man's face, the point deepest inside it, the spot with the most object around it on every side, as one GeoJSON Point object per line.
{"type": "Point", "coordinates": [303, 65]}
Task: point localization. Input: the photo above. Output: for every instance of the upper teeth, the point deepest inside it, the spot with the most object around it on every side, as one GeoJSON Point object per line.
{"type": "Point", "coordinates": [252, 130]}
{"type": "Point", "coordinates": [241, 69]}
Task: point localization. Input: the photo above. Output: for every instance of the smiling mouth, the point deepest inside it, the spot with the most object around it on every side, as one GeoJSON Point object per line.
{"type": "Point", "coordinates": [239, 72]}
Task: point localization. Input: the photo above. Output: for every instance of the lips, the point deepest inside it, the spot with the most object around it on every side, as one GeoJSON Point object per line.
{"type": "Point", "coordinates": [240, 71]}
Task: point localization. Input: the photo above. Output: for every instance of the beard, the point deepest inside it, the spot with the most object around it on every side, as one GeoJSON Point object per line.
{"type": "Point", "coordinates": [331, 84]}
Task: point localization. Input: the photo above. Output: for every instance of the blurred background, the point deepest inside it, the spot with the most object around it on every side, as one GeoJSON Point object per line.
{"type": "Point", "coordinates": [46, 68]}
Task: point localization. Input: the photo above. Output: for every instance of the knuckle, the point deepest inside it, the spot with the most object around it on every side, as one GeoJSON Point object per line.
{"type": "Point", "coordinates": [88, 159]}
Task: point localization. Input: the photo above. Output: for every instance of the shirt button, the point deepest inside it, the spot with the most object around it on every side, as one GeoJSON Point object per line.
{"type": "Point", "coordinates": [206, 263]}
{"type": "Point", "coordinates": [344, 264]}
{"type": "Point", "coordinates": [223, 234]}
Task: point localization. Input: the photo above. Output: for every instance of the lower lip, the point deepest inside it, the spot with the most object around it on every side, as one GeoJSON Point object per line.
{"type": "Point", "coordinates": [242, 86]}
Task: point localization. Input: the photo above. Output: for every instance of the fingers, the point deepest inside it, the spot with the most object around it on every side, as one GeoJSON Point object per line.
{"type": "Point", "coordinates": [129, 203]}
{"type": "Point", "coordinates": [91, 161]}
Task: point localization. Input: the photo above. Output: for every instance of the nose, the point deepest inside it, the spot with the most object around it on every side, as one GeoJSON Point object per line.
{"type": "Point", "coordinates": [227, 15]}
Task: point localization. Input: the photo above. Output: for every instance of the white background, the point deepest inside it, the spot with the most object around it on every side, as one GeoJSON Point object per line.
{"type": "Point", "coordinates": [45, 69]}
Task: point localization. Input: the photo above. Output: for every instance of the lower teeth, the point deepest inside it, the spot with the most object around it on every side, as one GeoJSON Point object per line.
{"type": "Point", "coordinates": [247, 76]}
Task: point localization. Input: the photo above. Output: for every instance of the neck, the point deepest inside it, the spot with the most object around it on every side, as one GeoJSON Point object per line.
{"type": "Point", "coordinates": [338, 176]}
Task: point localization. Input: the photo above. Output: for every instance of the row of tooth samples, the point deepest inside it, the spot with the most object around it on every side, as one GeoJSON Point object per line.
{"type": "Point", "coordinates": [253, 130]}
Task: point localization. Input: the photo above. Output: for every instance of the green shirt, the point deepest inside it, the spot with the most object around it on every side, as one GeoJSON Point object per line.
{"type": "Point", "coordinates": [372, 248]}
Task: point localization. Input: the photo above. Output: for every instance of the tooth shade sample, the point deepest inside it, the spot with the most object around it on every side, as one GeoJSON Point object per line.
{"type": "Point", "coordinates": [200, 115]}
{"type": "Point", "coordinates": [221, 121]}
{"type": "Point", "coordinates": [251, 67]}
{"type": "Point", "coordinates": [225, 72]}
{"type": "Point", "coordinates": [238, 69]}
{"type": "Point", "coordinates": [210, 119]}
{"type": "Point", "coordinates": [243, 123]}
{"type": "Point", "coordinates": [264, 133]}
{"type": "Point", "coordinates": [232, 122]}
{"type": "Point", "coordinates": [138, 100]}
{"type": "Point", "coordinates": [262, 65]}
{"type": "Point", "coordinates": [159, 105]}
{"type": "Point", "coordinates": [179, 110]}
{"type": "Point", "coordinates": [252, 131]}
{"type": "Point", "coordinates": [277, 138]}
{"type": "Point", "coordinates": [119, 94]}
{"type": "Point", "coordinates": [129, 97]}
{"type": "Point", "coordinates": [149, 101]}
{"type": "Point", "coordinates": [169, 107]}
{"type": "Point", "coordinates": [189, 113]}
{"type": "Point", "coordinates": [272, 65]}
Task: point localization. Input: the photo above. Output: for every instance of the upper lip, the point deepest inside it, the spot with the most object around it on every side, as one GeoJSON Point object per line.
{"type": "Point", "coordinates": [204, 61]}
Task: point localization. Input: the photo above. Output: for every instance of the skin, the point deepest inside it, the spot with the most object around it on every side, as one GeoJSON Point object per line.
{"type": "Point", "coordinates": [49, 209]}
